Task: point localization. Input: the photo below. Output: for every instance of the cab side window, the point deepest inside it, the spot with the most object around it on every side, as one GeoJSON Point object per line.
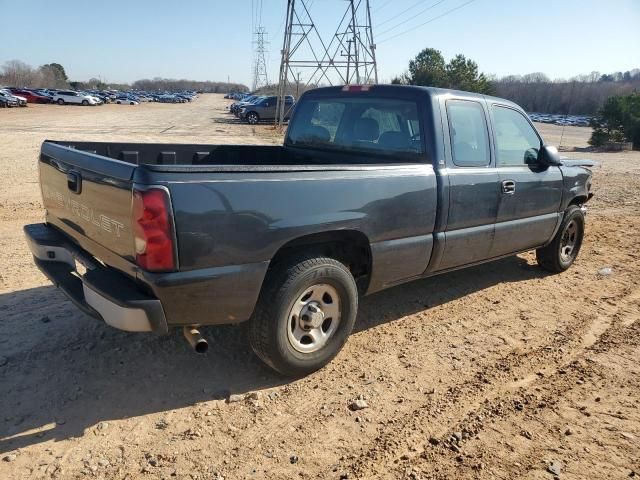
{"type": "Point", "coordinates": [469, 133]}
{"type": "Point", "coordinates": [517, 143]}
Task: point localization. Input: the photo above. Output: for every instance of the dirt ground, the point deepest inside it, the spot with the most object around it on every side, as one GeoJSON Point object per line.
{"type": "Point", "coordinates": [500, 371]}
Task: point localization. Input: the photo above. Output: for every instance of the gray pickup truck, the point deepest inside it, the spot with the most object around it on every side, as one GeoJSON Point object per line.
{"type": "Point", "coordinates": [374, 186]}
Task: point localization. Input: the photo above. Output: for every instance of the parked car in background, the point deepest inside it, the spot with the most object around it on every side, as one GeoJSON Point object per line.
{"type": "Point", "coordinates": [98, 100]}
{"type": "Point", "coordinates": [8, 101]}
{"type": "Point", "coordinates": [265, 109]}
{"type": "Point", "coordinates": [126, 100]}
{"type": "Point", "coordinates": [63, 97]}
{"type": "Point", "coordinates": [559, 119]}
{"type": "Point", "coordinates": [30, 96]}
{"type": "Point", "coordinates": [100, 96]}
{"type": "Point", "coordinates": [45, 92]}
{"type": "Point", "coordinates": [236, 106]}
{"type": "Point", "coordinates": [21, 101]}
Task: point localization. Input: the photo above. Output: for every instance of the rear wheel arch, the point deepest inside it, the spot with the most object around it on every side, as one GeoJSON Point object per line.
{"type": "Point", "coordinates": [350, 247]}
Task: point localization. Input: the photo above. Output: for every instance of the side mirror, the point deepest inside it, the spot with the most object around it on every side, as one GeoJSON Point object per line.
{"type": "Point", "coordinates": [549, 156]}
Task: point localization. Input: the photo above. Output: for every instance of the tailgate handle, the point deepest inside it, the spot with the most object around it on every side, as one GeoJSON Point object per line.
{"type": "Point", "coordinates": [74, 182]}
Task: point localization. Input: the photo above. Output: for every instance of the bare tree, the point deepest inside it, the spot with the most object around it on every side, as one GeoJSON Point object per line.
{"type": "Point", "coordinates": [15, 73]}
{"type": "Point", "coordinates": [583, 94]}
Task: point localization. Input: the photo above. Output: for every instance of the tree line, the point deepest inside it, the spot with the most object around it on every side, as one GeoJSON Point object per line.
{"type": "Point", "coordinates": [535, 92]}
{"type": "Point", "coordinates": [579, 96]}
{"type": "Point", "coordinates": [613, 100]}
{"type": "Point", "coordinates": [174, 85]}
{"type": "Point", "coordinates": [15, 73]}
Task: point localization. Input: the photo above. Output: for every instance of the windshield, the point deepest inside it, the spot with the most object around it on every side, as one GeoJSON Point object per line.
{"type": "Point", "coordinates": [373, 125]}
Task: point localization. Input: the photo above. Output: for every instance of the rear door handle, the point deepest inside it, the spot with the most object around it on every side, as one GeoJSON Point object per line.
{"type": "Point", "coordinates": [509, 187]}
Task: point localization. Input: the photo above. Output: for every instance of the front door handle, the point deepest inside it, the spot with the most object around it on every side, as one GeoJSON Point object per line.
{"type": "Point", "coordinates": [508, 187]}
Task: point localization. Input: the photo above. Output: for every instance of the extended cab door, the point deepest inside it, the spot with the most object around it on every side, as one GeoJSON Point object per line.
{"type": "Point", "coordinates": [530, 195]}
{"type": "Point", "coordinates": [473, 184]}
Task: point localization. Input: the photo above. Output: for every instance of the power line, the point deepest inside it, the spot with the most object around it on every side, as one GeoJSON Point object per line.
{"type": "Point", "coordinates": [412, 18]}
{"type": "Point", "coordinates": [427, 22]}
{"type": "Point", "coordinates": [382, 6]}
{"type": "Point", "coordinates": [260, 21]}
{"type": "Point", "coordinates": [401, 13]}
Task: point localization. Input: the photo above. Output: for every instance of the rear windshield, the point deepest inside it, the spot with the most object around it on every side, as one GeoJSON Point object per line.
{"type": "Point", "coordinates": [369, 125]}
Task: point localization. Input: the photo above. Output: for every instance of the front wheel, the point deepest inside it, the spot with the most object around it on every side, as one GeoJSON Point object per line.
{"type": "Point", "coordinates": [60, 101]}
{"type": "Point", "coordinates": [563, 250]}
{"type": "Point", "coordinates": [253, 118]}
{"type": "Point", "coordinates": [85, 102]}
{"type": "Point", "coordinates": [305, 314]}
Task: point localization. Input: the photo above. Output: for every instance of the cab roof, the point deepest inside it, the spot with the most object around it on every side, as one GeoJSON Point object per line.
{"type": "Point", "coordinates": [404, 92]}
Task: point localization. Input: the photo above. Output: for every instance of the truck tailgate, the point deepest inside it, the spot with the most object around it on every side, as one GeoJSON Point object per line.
{"type": "Point", "coordinates": [88, 195]}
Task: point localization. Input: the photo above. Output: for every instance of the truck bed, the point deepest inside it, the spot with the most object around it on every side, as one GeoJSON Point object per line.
{"type": "Point", "coordinates": [177, 157]}
{"type": "Point", "coordinates": [180, 154]}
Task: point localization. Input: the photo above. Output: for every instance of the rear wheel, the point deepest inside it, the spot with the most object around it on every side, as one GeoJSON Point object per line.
{"type": "Point", "coordinates": [253, 118]}
{"type": "Point", "coordinates": [305, 314]}
{"type": "Point", "coordinates": [60, 101]}
{"type": "Point", "coordinates": [563, 250]}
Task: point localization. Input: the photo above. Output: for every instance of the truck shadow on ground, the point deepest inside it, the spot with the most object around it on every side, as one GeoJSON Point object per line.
{"type": "Point", "coordinates": [64, 373]}
{"type": "Point", "coordinates": [228, 119]}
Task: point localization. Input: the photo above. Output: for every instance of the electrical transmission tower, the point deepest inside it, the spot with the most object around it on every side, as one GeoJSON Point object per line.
{"type": "Point", "coordinates": [347, 57]}
{"type": "Point", "coordinates": [260, 78]}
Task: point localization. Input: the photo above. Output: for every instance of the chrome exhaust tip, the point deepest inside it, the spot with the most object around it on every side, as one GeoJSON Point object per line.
{"type": "Point", "coordinates": [195, 339]}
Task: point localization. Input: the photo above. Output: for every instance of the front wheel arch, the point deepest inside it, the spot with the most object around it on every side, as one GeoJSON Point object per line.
{"type": "Point", "coordinates": [578, 200]}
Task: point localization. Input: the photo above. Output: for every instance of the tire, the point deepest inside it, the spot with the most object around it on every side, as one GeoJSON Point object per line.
{"type": "Point", "coordinates": [253, 118]}
{"type": "Point", "coordinates": [310, 286]}
{"type": "Point", "coordinates": [563, 250]}
{"type": "Point", "coordinates": [85, 102]}
{"type": "Point", "coordinates": [60, 101]}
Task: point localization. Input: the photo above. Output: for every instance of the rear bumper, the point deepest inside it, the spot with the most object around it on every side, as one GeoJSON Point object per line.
{"type": "Point", "coordinates": [101, 292]}
{"type": "Point", "coordinates": [151, 302]}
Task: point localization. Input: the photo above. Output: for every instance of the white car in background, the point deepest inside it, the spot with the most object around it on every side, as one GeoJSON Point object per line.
{"type": "Point", "coordinates": [126, 101]}
{"type": "Point", "coordinates": [21, 100]}
{"type": "Point", "coordinates": [62, 97]}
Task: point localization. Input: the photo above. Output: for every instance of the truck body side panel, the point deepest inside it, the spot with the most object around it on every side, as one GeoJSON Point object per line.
{"type": "Point", "coordinates": [246, 218]}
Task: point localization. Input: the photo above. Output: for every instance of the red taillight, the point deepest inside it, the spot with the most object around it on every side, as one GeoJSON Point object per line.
{"type": "Point", "coordinates": [153, 230]}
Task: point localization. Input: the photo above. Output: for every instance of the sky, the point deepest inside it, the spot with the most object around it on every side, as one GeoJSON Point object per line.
{"type": "Point", "coordinates": [125, 40]}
